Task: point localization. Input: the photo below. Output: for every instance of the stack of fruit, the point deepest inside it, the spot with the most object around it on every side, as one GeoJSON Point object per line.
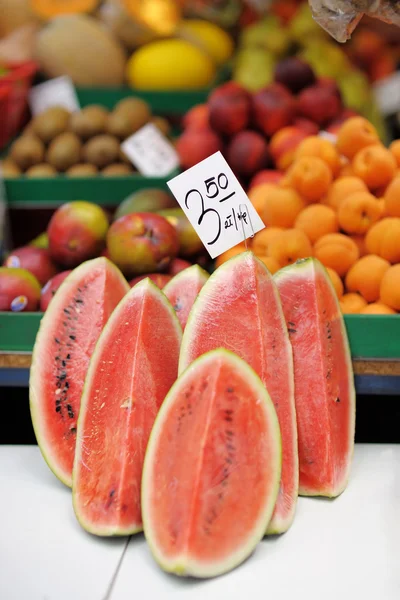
{"type": "Point", "coordinates": [292, 31]}
{"type": "Point", "coordinates": [339, 202]}
{"type": "Point", "coordinates": [81, 144]}
{"type": "Point", "coordinates": [297, 104]}
{"type": "Point", "coordinates": [141, 243]}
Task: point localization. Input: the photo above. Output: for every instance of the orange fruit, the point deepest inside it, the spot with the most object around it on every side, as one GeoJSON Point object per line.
{"type": "Point", "coordinates": [336, 281]}
{"type": "Point", "coordinates": [358, 212]}
{"type": "Point", "coordinates": [355, 133]}
{"type": "Point", "coordinates": [230, 254]}
{"type": "Point", "coordinates": [375, 165]}
{"type": "Point", "coordinates": [337, 251]}
{"type": "Point", "coordinates": [262, 240]}
{"type": "Point", "coordinates": [271, 263]}
{"type": "Point", "coordinates": [311, 177]}
{"type": "Point", "coordinates": [281, 206]}
{"type": "Point", "coordinates": [289, 246]}
{"type": "Point", "coordinates": [377, 308]}
{"type": "Point", "coordinates": [351, 303]}
{"type": "Point", "coordinates": [365, 276]}
{"type": "Point", "coordinates": [395, 150]}
{"type": "Point", "coordinates": [315, 145]}
{"type": "Point", "coordinates": [360, 241]}
{"type": "Point", "coordinates": [317, 220]}
{"type": "Point", "coordinates": [390, 287]}
{"type": "Point", "coordinates": [392, 198]}
{"type": "Point", "coordinates": [341, 189]}
{"type": "Point", "coordinates": [383, 239]}
{"type": "Point", "coordinates": [346, 170]}
{"type": "Point", "coordinates": [258, 194]}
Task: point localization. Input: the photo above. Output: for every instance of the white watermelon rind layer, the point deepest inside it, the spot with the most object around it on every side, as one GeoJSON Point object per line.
{"type": "Point", "coordinates": [185, 565]}
{"type": "Point", "coordinates": [277, 525]}
{"type": "Point", "coordinates": [303, 268]}
{"type": "Point", "coordinates": [143, 286]}
{"type": "Point", "coordinates": [46, 323]}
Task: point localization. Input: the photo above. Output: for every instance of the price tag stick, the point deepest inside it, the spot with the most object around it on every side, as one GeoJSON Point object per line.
{"type": "Point", "coordinates": [243, 213]}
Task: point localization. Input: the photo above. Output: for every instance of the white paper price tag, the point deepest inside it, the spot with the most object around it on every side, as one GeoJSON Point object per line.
{"type": "Point", "coordinates": [55, 92]}
{"type": "Point", "coordinates": [216, 204]}
{"type": "Point", "coordinates": [387, 94]}
{"type": "Point", "coordinates": [150, 151]}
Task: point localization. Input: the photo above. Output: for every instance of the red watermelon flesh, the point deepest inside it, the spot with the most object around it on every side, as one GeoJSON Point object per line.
{"type": "Point", "coordinates": [212, 468]}
{"type": "Point", "coordinates": [133, 367]}
{"type": "Point", "coordinates": [324, 385]}
{"type": "Point", "coordinates": [183, 289]}
{"type": "Point", "coordinates": [64, 344]}
{"type": "Point", "coordinates": [239, 309]}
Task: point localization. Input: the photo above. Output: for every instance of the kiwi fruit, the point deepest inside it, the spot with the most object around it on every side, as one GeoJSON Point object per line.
{"type": "Point", "coordinates": [120, 124]}
{"type": "Point", "coordinates": [41, 170]}
{"type": "Point", "coordinates": [138, 110]}
{"type": "Point", "coordinates": [64, 151]}
{"type": "Point", "coordinates": [9, 169]}
{"type": "Point", "coordinates": [102, 150]}
{"type": "Point", "coordinates": [117, 169]}
{"type": "Point", "coordinates": [51, 123]}
{"type": "Point", "coordinates": [90, 121]}
{"type": "Point", "coordinates": [27, 151]}
{"type": "Point", "coordinates": [162, 124]}
{"type": "Point", "coordinates": [82, 170]}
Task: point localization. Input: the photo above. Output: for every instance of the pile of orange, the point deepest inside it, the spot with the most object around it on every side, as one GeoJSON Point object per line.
{"type": "Point", "coordinates": [340, 202]}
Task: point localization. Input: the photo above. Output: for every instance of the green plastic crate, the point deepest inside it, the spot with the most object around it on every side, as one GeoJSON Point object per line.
{"type": "Point", "coordinates": [371, 337]}
{"type": "Point", "coordinates": [52, 192]}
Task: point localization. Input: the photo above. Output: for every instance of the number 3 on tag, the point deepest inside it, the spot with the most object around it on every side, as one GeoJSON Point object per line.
{"type": "Point", "coordinates": [216, 204]}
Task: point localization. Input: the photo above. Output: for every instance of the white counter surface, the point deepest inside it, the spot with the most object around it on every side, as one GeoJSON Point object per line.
{"type": "Point", "coordinates": [346, 549]}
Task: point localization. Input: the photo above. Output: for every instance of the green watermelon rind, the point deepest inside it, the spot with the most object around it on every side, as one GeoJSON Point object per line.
{"type": "Point", "coordinates": [304, 265]}
{"type": "Point", "coordinates": [276, 525]}
{"type": "Point", "coordinates": [46, 321]}
{"type": "Point", "coordinates": [140, 287]}
{"type": "Point", "coordinates": [184, 566]}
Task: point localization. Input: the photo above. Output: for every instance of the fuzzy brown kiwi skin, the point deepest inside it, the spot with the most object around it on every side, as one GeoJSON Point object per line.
{"type": "Point", "coordinates": [101, 151]}
{"type": "Point", "coordinates": [50, 123]}
{"type": "Point", "coordinates": [82, 170]}
{"type": "Point", "coordinates": [27, 151]}
{"type": "Point", "coordinates": [88, 122]}
{"type": "Point", "coordinates": [64, 151]}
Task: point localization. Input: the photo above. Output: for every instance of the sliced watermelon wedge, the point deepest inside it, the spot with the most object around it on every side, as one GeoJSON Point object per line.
{"type": "Point", "coordinates": [183, 289]}
{"type": "Point", "coordinates": [212, 468]}
{"type": "Point", "coordinates": [239, 309]}
{"type": "Point", "coordinates": [133, 367]}
{"type": "Point", "coordinates": [64, 344]}
{"type": "Point", "coordinates": [324, 383]}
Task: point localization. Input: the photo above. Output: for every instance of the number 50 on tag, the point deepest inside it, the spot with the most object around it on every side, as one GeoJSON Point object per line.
{"type": "Point", "coordinates": [216, 204]}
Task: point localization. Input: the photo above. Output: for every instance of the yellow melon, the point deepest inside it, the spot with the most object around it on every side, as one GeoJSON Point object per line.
{"type": "Point", "coordinates": [81, 47]}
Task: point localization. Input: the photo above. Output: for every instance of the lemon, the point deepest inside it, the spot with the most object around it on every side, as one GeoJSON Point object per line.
{"type": "Point", "coordinates": [208, 36]}
{"type": "Point", "coordinates": [170, 64]}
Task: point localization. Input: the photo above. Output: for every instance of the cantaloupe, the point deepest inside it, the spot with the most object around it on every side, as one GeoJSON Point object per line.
{"type": "Point", "coordinates": [81, 47]}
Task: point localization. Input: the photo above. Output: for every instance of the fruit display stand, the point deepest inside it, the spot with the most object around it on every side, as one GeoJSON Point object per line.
{"type": "Point", "coordinates": [348, 547]}
{"type": "Point", "coordinates": [374, 343]}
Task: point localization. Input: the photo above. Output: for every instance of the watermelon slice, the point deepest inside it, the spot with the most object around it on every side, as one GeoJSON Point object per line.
{"type": "Point", "coordinates": [64, 344]}
{"type": "Point", "coordinates": [133, 367]}
{"type": "Point", "coordinates": [183, 289]}
{"type": "Point", "coordinates": [212, 468]}
{"type": "Point", "coordinates": [239, 309]}
{"type": "Point", "coordinates": [324, 383]}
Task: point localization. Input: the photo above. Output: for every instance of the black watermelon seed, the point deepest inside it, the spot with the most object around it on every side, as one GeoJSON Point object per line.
{"type": "Point", "coordinates": [73, 430]}
{"type": "Point", "coordinates": [79, 300]}
{"type": "Point", "coordinates": [58, 408]}
{"type": "Point", "coordinates": [291, 323]}
{"type": "Point", "coordinates": [229, 390]}
{"type": "Point", "coordinates": [337, 400]}
{"type": "Point", "coordinates": [64, 363]}
{"type": "Point", "coordinates": [72, 337]}
{"type": "Point", "coordinates": [66, 311]}
{"type": "Point", "coordinates": [62, 375]}
{"type": "Point", "coordinates": [57, 341]}
{"type": "Point", "coordinates": [68, 356]}
{"type": "Point", "coordinates": [66, 385]}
